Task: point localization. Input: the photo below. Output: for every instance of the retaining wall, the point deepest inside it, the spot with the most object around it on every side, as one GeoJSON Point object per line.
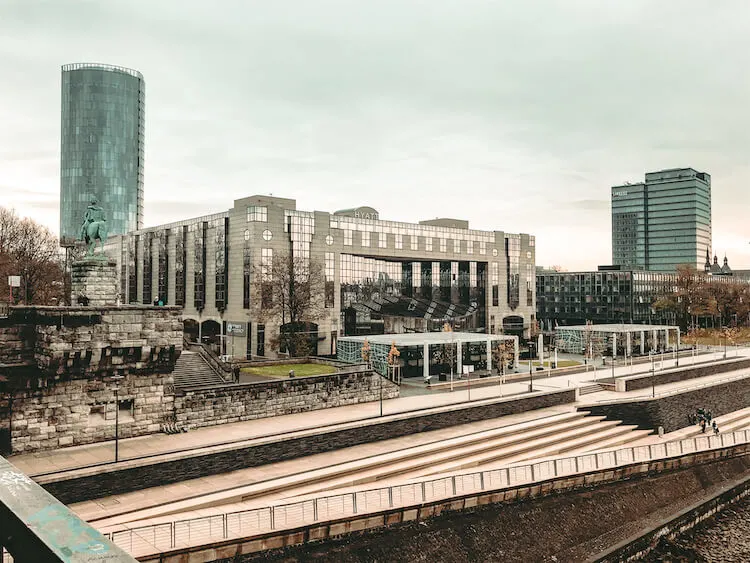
{"type": "Point", "coordinates": [198, 407]}
{"type": "Point", "coordinates": [635, 382]}
{"type": "Point", "coordinates": [671, 412]}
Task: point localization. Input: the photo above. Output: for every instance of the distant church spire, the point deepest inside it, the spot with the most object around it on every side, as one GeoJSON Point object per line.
{"type": "Point", "coordinates": [707, 265]}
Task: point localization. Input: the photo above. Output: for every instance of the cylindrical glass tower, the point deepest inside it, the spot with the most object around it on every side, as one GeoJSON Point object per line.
{"type": "Point", "coordinates": [103, 109]}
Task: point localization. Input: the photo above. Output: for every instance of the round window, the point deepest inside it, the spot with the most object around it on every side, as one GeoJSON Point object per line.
{"type": "Point", "coordinates": [329, 240]}
{"type": "Point", "coordinates": [494, 251]}
{"type": "Point", "coordinates": [267, 235]}
{"type": "Point", "coordinates": [247, 234]}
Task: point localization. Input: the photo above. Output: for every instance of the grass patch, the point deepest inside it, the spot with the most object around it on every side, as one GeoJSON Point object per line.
{"type": "Point", "coordinates": [282, 370]}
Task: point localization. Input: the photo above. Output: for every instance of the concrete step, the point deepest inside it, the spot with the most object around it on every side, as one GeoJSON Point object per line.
{"type": "Point", "coordinates": [531, 449]}
{"type": "Point", "coordinates": [611, 433]}
{"type": "Point", "coordinates": [349, 472]}
{"type": "Point", "coordinates": [737, 420]}
{"type": "Point", "coordinates": [449, 452]}
{"type": "Point", "coordinates": [192, 370]}
{"type": "Point", "coordinates": [593, 388]}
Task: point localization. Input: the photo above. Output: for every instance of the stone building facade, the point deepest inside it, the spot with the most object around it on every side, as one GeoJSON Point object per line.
{"type": "Point", "coordinates": [380, 276]}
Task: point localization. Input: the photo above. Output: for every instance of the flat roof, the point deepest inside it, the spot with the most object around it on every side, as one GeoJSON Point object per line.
{"type": "Point", "coordinates": [617, 327]}
{"type": "Point", "coordinates": [421, 338]}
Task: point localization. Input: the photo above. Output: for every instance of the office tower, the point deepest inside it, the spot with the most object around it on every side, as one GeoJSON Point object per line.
{"type": "Point", "coordinates": [663, 222]}
{"type": "Point", "coordinates": [101, 147]}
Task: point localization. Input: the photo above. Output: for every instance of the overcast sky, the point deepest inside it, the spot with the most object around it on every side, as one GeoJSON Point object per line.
{"type": "Point", "coordinates": [515, 115]}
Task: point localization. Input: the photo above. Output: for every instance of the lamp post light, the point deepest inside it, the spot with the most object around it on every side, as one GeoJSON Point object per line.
{"type": "Point", "coordinates": [117, 379]}
{"type": "Point", "coordinates": [531, 376]}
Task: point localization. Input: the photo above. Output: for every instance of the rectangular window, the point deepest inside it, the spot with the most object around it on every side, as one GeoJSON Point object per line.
{"type": "Point", "coordinates": [443, 245]}
{"type": "Point", "coordinates": [399, 242]}
{"type": "Point", "coordinates": [414, 242]}
{"type": "Point", "coordinates": [329, 281]}
{"type": "Point", "coordinates": [348, 237]}
{"type": "Point", "coordinates": [495, 281]}
{"type": "Point", "coordinates": [482, 247]}
{"type": "Point", "coordinates": [456, 246]}
{"type": "Point", "coordinates": [469, 247]}
{"type": "Point", "coordinates": [247, 266]}
{"type": "Point", "coordinates": [257, 213]}
{"type": "Point", "coordinates": [382, 240]}
{"type": "Point", "coordinates": [366, 238]}
{"type": "Point", "coordinates": [428, 244]}
{"type": "Point", "coordinates": [261, 347]}
{"type": "Point", "coordinates": [266, 283]}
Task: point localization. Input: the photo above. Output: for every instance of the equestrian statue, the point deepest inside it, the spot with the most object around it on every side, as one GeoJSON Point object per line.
{"type": "Point", "coordinates": [94, 227]}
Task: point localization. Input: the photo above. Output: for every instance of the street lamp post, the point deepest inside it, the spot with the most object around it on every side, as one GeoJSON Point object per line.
{"type": "Point", "coordinates": [531, 376]}
{"type": "Point", "coordinates": [117, 379]}
{"type": "Point", "coordinates": [653, 382]}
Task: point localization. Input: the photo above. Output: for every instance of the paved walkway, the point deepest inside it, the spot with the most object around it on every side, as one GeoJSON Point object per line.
{"type": "Point", "coordinates": [100, 453]}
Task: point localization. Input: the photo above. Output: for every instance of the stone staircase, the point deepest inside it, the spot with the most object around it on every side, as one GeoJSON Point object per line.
{"type": "Point", "coordinates": [473, 451]}
{"type": "Point", "coordinates": [191, 370]}
{"type": "Point", "coordinates": [593, 388]}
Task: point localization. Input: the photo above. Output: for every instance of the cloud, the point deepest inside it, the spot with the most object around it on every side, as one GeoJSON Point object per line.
{"type": "Point", "coordinates": [516, 116]}
{"type": "Point", "coordinates": [591, 204]}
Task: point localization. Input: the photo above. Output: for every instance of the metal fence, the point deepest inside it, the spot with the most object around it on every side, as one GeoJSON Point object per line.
{"type": "Point", "coordinates": [156, 538]}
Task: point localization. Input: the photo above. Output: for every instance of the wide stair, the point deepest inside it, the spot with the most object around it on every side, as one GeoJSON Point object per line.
{"type": "Point", "coordinates": [528, 440]}
{"type": "Point", "coordinates": [737, 420]}
{"type": "Point", "coordinates": [191, 370]}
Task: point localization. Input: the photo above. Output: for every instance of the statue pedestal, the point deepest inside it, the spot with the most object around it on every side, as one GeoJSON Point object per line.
{"type": "Point", "coordinates": [94, 282]}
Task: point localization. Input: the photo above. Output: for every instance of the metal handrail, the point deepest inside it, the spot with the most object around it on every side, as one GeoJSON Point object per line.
{"type": "Point", "coordinates": [157, 538]}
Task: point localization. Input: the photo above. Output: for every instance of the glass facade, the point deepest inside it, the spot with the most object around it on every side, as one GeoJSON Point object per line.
{"type": "Point", "coordinates": [221, 262]}
{"type": "Point", "coordinates": [513, 258]}
{"type": "Point", "coordinates": [662, 223]}
{"type": "Point", "coordinates": [373, 289]}
{"type": "Point", "coordinates": [572, 298]}
{"type": "Point", "coordinates": [147, 267]}
{"type": "Point", "coordinates": [133, 264]}
{"type": "Point", "coordinates": [199, 265]}
{"type": "Point", "coordinates": [180, 261]}
{"type": "Point", "coordinates": [101, 155]}
{"type": "Point", "coordinates": [163, 273]}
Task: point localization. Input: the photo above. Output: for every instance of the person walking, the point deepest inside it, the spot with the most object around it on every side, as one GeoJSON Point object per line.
{"type": "Point", "coordinates": [716, 429]}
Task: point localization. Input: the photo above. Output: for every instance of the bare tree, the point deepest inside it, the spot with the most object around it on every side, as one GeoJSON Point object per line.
{"type": "Point", "coordinates": [594, 344]}
{"type": "Point", "coordinates": [31, 251]}
{"type": "Point", "coordinates": [290, 290]}
{"type": "Point", "coordinates": [503, 355]}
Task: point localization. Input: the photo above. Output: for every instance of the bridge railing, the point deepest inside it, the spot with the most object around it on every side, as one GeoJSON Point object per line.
{"type": "Point", "coordinates": [157, 538]}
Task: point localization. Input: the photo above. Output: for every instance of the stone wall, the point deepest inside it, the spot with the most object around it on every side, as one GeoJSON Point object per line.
{"type": "Point", "coordinates": [16, 343]}
{"type": "Point", "coordinates": [94, 282]}
{"type": "Point", "coordinates": [634, 382]}
{"type": "Point", "coordinates": [56, 368]}
{"type": "Point", "coordinates": [82, 411]}
{"type": "Point", "coordinates": [672, 411]}
{"type": "Point", "coordinates": [80, 486]}
{"type": "Point", "coordinates": [199, 407]}
{"type": "Point", "coordinates": [115, 339]}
